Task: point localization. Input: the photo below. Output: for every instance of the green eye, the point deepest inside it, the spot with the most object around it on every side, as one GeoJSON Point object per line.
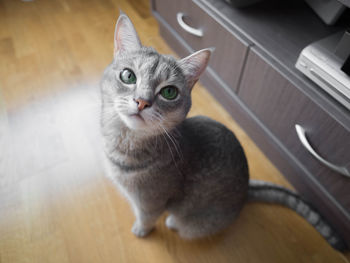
{"type": "Point", "coordinates": [127, 76]}
{"type": "Point", "coordinates": [169, 92]}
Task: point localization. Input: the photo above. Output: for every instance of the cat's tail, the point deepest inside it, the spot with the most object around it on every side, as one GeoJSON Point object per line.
{"type": "Point", "coordinates": [268, 192]}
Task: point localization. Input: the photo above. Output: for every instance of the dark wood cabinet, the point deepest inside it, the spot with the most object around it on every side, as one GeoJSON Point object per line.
{"type": "Point", "coordinates": [227, 65]}
{"type": "Point", "coordinates": [252, 74]}
{"type": "Point", "coordinates": [280, 105]}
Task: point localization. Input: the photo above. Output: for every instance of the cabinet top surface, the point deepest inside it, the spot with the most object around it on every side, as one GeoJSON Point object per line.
{"type": "Point", "coordinates": [280, 30]}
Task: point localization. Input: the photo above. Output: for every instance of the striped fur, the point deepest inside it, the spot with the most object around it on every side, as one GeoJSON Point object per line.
{"type": "Point", "coordinates": [271, 193]}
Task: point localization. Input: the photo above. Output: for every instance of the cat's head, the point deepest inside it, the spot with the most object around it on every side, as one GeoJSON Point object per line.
{"type": "Point", "coordinates": [147, 91]}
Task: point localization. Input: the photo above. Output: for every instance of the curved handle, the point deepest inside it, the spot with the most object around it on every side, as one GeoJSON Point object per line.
{"type": "Point", "coordinates": [187, 28]}
{"type": "Point", "coordinates": [302, 137]}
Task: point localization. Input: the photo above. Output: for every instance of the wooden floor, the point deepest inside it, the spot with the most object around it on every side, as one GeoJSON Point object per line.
{"type": "Point", "coordinates": [55, 203]}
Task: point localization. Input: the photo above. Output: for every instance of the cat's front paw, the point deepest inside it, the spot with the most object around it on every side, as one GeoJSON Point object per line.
{"type": "Point", "coordinates": [170, 222]}
{"type": "Point", "coordinates": [140, 231]}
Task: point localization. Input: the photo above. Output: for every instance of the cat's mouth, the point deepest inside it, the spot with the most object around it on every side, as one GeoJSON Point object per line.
{"type": "Point", "coordinates": [137, 116]}
{"type": "Point", "coordinates": [134, 121]}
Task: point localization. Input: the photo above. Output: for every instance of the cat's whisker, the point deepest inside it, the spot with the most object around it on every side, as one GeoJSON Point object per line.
{"type": "Point", "coordinates": [157, 116]}
{"type": "Point", "coordinates": [158, 129]}
{"type": "Point", "coordinates": [171, 152]}
{"type": "Point", "coordinates": [121, 105]}
{"type": "Point", "coordinates": [153, 117]}
{"type": "Point", "coordinates": [173, 140]}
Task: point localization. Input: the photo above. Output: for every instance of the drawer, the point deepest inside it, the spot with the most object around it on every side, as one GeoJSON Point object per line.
{"type": "Point", "coordinates": [280, 106]}
{"type": "Point", "coordinates": [228, 58]}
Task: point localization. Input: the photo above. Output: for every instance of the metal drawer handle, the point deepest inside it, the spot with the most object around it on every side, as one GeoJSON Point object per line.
{"type": "Point", "coordinates": [187, 28]}
{"type": "Point", "coordinates": [302, 137]}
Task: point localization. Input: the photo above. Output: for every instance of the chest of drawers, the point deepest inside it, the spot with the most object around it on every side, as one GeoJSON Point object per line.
{"type": "Point", "coordinates": [304, 132]}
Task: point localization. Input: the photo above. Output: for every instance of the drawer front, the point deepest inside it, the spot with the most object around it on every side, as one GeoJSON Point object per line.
{"type": "Point", "coordinates": [229, 54]}
{"type": "Point", "coordinates": [280, 106]}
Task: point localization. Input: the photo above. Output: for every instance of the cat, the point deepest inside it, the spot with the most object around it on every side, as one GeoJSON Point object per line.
{"type": "Point", "coordinates": [193, 168]}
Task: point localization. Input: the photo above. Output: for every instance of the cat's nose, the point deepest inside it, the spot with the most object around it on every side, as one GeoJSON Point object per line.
{"type": "Point", "coordinates": [141, 104]}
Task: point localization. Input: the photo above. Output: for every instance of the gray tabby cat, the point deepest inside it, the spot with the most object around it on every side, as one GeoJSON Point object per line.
{"type": "Point", "coordinates": [193, 168]}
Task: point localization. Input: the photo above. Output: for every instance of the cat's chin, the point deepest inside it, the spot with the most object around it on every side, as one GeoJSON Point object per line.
{"type": "Point", "coordinates": [134, 121]}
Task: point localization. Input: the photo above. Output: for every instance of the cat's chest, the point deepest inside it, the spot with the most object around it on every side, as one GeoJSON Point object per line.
{"type": "Point", "coordinates": [146, 188]}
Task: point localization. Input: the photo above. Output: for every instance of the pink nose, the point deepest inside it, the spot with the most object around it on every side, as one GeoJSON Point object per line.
{"type": "Point", "coordinates": [141, 104]}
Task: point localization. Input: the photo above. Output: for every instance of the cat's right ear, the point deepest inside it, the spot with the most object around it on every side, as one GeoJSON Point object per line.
{"type": "Point", "coordinates": [194, 65]}
{"type": "Point", "coordinates": [125, 36]}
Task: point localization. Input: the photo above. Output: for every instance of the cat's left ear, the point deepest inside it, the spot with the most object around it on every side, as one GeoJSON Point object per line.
{"type": "Point", "coordinates": [194, 65]}
{"type": "Point", "coordinates": [125, 36]}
